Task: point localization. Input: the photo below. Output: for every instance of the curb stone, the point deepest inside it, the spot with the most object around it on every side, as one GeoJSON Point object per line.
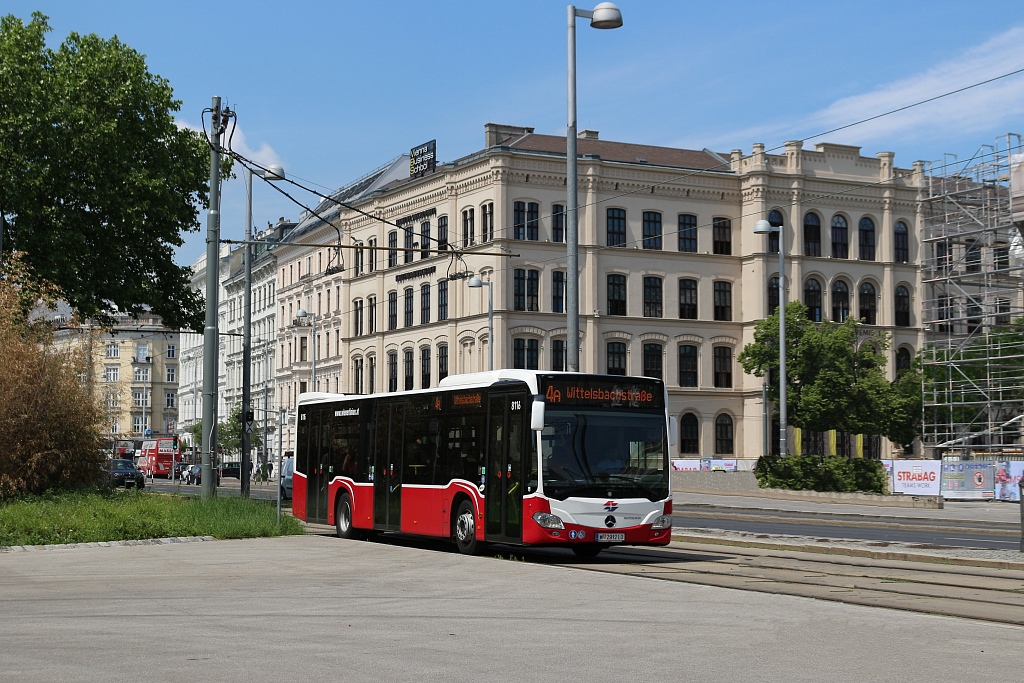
{"type": "Point", "coordinates": [107, 544]}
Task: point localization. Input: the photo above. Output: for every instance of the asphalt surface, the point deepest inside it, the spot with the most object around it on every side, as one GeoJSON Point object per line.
{"type": "Point", "coordinates": [319, 608]}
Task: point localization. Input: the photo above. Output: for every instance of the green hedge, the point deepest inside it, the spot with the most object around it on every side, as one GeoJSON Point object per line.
{"type": "Point", "coordinates": [821, 473]}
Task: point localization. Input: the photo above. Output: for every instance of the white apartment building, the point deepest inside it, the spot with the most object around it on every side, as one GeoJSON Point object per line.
{"type": "Point", "coordinates": [672, 277]}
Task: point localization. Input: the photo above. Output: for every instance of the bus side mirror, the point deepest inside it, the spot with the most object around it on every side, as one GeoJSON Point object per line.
{"type": "Point", "coordinates": [673, 430]}
{"type": "Point", "coordinates": [537, 416]}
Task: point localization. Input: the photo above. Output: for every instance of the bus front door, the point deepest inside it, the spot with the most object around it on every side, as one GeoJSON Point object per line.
{"type": "Point", "coordinates": [387, 466]}
{"type": "Point", "coordinates": [319, 456]}
{"type": "Point", "coordinates": [506, 429]}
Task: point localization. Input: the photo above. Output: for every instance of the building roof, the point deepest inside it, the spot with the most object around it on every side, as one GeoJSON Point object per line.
{"type": "Point", "coordinates": [624, 152]}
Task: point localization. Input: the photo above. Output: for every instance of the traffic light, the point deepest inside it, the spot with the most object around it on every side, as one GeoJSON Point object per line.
{"type": "Point", "coordinates": [250, 415]}
{"type": "Point", "coordinates": [175, 443]}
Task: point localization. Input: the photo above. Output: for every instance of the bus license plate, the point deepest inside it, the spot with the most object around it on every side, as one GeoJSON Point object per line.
{"type": "Point", "coordinates": [609, 538]}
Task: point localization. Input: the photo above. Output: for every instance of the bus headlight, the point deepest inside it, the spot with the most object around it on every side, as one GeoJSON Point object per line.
{"type": "Point", "coordinates": [548, 520]}
{"type": "Point", "coordinates": [663, 522]}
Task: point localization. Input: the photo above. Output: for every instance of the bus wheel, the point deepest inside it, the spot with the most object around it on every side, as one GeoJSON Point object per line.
{"type": "Point", "coordinates": [586, 550]}
{"type": "Point", "coordinates": [343, 517]}
{"type": "Point", "coordinates": [464, 529]}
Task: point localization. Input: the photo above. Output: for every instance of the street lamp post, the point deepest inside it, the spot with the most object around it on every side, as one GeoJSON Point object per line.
{"type": "Point", "coordinates": [605, 15]}
{"type": "Point", "coordinates": [272, 173]}
{"type": "Point", "coordinates": [764, 227]}
{"type": "Point", "coordinates": [474, 282]}
{"type": "Point", "coordinates": [312, 316]}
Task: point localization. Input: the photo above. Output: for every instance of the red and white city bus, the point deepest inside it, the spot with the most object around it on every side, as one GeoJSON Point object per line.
{"type": "Point", "coordinates": [514, 457]}
{"type": "Point", "coordinates": [158, 456]}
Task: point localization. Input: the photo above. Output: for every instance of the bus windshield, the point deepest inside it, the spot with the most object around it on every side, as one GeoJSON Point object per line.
{"type": "Point", "coordinates": [590, 452]}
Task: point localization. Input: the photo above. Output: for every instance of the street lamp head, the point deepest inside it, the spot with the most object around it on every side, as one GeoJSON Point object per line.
{"type": "Point", "coordinates": [606, 15]}
{"type": "Point", "coordinates": [763, 227]}
{"type": "Point", "coordinates": [273, 172]}
{"type": "Point", "coordinates": [475, 281]}
{"type": "Point", "coordinates": [301, 313]}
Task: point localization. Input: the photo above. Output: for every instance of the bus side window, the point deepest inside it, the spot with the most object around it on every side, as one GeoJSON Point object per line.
{"type": "Point", "coordinates": [419, 444]}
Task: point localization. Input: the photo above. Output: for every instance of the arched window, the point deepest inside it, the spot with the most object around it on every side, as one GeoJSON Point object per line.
{"type": "Point", "coordinates": [840, 301]}
{"type": "Point", "coordinates": [812, 235]}
{"type": "Point", "coordinates": [901, 243]}
{"type": "Point", "coordinates": [723, 435]}
{"type": "Point", "coordinates": [776, 221]}
{"type": "Point", "coordinates": [653, 365]}
{"type": "Point", "coordinates": [866, 239]}
{"type": "Point", "coordinates": [812, 299]}
{"type": "Point", "coordinates": [840, 237]}
{"type": "Point", "coordinates": [773, 295]}
{"type": "Point", "coordinates": [902, 306]}
{"type": "Point", "coordinates": [902, 360]}
{"type": "Point", "coordinates": [868, 303]}
{"type": "Point", "coordinates": [689, 434]}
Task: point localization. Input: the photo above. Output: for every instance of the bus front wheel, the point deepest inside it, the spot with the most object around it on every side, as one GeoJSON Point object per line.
{"type": "Point", "coordinates": [343, 517]}
{"type": "Point", "coordinates": [464, 529]}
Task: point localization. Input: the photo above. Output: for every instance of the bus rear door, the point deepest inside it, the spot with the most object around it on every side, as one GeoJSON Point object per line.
{"type": "Point", "coordinates": [318, 461]}
{"type": "Point", "coordinates": [387, 467]}
{"type": "Point", "coordinates": [506, 429]}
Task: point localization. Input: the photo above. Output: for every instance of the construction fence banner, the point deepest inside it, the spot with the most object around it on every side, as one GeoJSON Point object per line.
{"type": "Point", "coordinates": [704, 465]}
{"type": "Point", "coordinates": [917, 477]}
{"type": "Point", "coordinates": [973, 480]}
{"type": "Point", "coordinates": [1008, 476]}
{"type": "Point", "coordinates": [686, 465]}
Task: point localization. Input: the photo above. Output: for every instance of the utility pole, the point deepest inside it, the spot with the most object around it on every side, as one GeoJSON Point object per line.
{"type": "Point", "coordinates": [210, 340]}
{"type": "Point", "coordinates": [247, 412]}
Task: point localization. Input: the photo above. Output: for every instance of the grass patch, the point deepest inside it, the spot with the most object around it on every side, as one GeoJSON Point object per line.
{"type": "Point", "coordinates": [135, 515]}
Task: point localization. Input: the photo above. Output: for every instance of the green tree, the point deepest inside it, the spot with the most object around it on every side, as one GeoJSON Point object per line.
{"type": "Point", "coordinates": [835, 376]}
{"type": "Point", "coordinates": [229, 434]}
{"type": "Point", "coordinates": [97, 183]}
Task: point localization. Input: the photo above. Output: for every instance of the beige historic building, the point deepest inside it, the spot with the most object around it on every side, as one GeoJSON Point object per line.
{"type": "Point", "coordinates": [672, 276]}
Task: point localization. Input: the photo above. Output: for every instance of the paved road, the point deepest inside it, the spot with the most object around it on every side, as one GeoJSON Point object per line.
{"type": "Point", "coordinates": [318, 608]}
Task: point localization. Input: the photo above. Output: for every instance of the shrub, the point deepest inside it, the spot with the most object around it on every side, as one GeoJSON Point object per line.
{"type": "Point", "coordinates": [820, 473]}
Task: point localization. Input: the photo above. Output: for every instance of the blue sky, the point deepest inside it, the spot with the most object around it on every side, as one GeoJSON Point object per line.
{"type": "Point", "coordinates": [332, 90]}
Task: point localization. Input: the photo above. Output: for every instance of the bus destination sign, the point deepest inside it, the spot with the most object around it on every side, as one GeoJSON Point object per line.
{"type": "Point", "coordinates": [632, 393]}
{"type": "Point", "coordinates": [423, 159]}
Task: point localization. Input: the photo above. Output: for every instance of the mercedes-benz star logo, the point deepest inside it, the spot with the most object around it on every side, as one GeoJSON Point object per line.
{"type": "Point", "coordinates": [609, 521]}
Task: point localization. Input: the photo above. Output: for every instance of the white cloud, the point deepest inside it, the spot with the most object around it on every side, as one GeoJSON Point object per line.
{"type": "Point", "coordinates": [264, 154]}
{"type": "Point", "coordinates": [979, 109]}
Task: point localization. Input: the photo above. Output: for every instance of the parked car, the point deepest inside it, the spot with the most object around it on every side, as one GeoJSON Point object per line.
{"type": "Point", "coordinates": [125, 473]}
{"type": "Point", "coordinates": [180, 469]}
{"type": "Point", "coordinates": [287, 470]}
{"type": "Point", "coordinates": [195, 475]}
{"type": "Point", "coordinates": [231, 469]}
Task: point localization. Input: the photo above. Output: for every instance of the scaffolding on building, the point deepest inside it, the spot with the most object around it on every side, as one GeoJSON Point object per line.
{"type": "Point", "coordinates": [973, 304]}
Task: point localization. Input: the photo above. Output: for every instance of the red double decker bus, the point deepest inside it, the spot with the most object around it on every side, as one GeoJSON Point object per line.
{"type": "Point", "coordinates": [514, 457]}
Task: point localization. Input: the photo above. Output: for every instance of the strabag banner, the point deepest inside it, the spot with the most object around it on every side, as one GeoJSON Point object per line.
{"type": "Point", "coordinates": [916, 477]}
{"type": "Point", "coordinates": [1008, 476]}
{"type": "Point", "coordinates": [968, 480]}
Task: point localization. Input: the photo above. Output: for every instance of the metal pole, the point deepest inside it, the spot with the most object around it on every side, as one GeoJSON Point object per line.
{"type": "Point", "coordinates": [490, 325]}
{"type": "Point", "coordinates": [210, 341]}
{"type": "Point", "coordinates": [572, 290]}
{"type": "Point", "coordinates": [783, 450]}
{"type": "Point", "coordinates": [243, 466]}
{"type": "Point", "coordinates": [312, 373]}
{"type": "Point", "coordinates": [280, 481]}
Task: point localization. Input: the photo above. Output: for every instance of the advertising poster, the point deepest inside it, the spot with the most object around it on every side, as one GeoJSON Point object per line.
{"type": "Point", "coordinates": [973, 480]}
{"type": "Point", "coordinates": [719, 465]}
{"type": "Point", "coordinates": [686, 465]}
{"type": "Point", "coordinates": [916, 477]}
{"type": "Point", "coordinates": [1008, 476]}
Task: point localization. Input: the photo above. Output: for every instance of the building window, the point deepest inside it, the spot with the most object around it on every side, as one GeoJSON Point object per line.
{"type": "Point", "coordinates": [902, 360]}
{"type": "Point", "coordinates": [140, 423]}
{"type": "Point", "coordinates": [525, 353]}
{"type": "Point", "coordinates": [357, 318]}
{"type": "Point", "coordinates": [616, 294]}
{"type": "Point", "coordinates": [172, 351]}
{"type": "Point", "coordinates": [141, 374]}
{"type": "Point", "coordinates": [812, 300]}
{"type": "Point", "coordinates": [487, 222]}
{"type": "Point", "coordinates": [558, 355]}
{"type": "Point", "coordinates": [616, 227]}
{"type": "Point", "coordinates": [721, 233]}
{"type": "Point", "coordinates": [812, 235]}
{"type": "Point", "coordinates": [652, 360]}
{"type": "Point", "coordinates": [840, 301]}
{"type": "Point", "coordinates": [722, 359]}
{"type": "Point", "coordinates": [142, 352]}
{"type": "Point", "coordinates": [689, 434]}
{"type": "Point", "coordinates": [901, 242]}
{"type": "Point", "coordinates": [408, 307]}
{"type": "Point", "coordinates": [442, 232]}
{"type": "Point", "coordinates": [687, 365]}
{"type": "Point", "coordinates": [409, 241]}
{"type": "Point", "coordinates": [468, 228]}
{"type": "Point", "coordinates": [392, 310]}
{"type": "Point", "coordinates": [774, 220]}
{"type": "Point", "coordinates": [557, 223]}
{"type": "Point", "coordinates": [652, 297]}
{"type": "Point", "coordinates": [526, 290]}
{"type": "Point", "coordinates": [172, 373]}
{"type": "Point", "coordinates": [840, 237]}
{"type": "Point", "coordinates": [866, 239]}
{"type": "Point", "coordinates": [392, 249]}
{"type": "Point", "coordinates": [773, 295]}
{"type": "Point", "coordinates": [303, 349]}
{"type": "Point", "coordinates": [442, 300]}
{"type": "Point", "coordinates": [723, 300]}
{"type": "Point", "coordinates": [688, 299]}
{"type": "Point", "coordinates": [425, 367]}
{"type": "Point", "coordinates": [616, 358]}
{"type": "Point", "coordinates": [408, 358]}
{"type": "Point", "coordinates": [424, 303]}
{"type": "Point", "coordinates": [170, 399]}
{"type": "Point", "coordinates": [723, 435]}
{"type": "Point", "coordinates": [113, 350]}
{"type": "Point", "coordinates": [357, 376]}
{"type": "Point", "coordinates": [688, 233]}
{"type": "Point", "coordinates": [558, 292]}
{"type": "Point", "coordinates": [652, 230]}
{"type": "Point", "coordinates": [424, 240]}
{"type": "Point", "coordinates": [371, 314]}
{"type": "Point", "coordinates": [1002, 311]}
{"type": "Point", "coordinates": [972, 256]}
{"type": "Point", "coordinates": [140, 397]}
{"type": "Point", "coordinates": [442, 362]}
{"type": "Point", "coordinates": [902, 306]}
{"type": "Point", "coordinates": [371, 375]}
{"type": "Point", "coordinates": [868, 304]}
{"type": "Point", "coordinates": [1001, 257]}
{"type": "Point", "coordinates": [360, 265]}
